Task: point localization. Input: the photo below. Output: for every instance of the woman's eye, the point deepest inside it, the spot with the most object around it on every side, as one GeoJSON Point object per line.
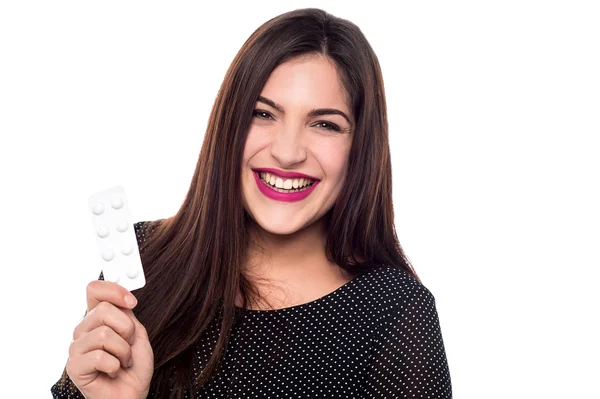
{"type": "Point", "coordinates": [333, 126]}
{"type": "Point", "coordinates": [258, 112]}
{"type": "Point", "coordinates": [329, 126]}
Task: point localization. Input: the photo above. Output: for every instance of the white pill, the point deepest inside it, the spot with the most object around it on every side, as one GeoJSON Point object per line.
{"type": "Point", "coordinates": [133, 273]}
{"type": "Point", "coordinates": [108, 255]}
{"type": "Point", "coordinates": [117, 279]}
{"type": "Point", "coordinates": [122, 226]}
{"type": "Point", "coordinates": [127, 249]}
{"type": "Point", "coordinates": [117, 202]}
{"type": "Point", "coordinates": [98, 208]}
{"type": "Point", "coordinates": [103, 231]}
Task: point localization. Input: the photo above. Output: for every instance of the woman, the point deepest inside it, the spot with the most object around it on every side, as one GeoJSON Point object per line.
{"type": "Point", "coordinates": [281, 275]}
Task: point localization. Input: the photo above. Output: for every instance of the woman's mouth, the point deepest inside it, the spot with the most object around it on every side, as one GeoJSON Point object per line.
{"type": "Point", "coordinates": [285, 185]}
{"type": "Point", "coordinates": [284, 189]}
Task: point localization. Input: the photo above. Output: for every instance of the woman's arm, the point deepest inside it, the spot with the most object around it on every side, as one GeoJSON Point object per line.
{"type": "Point", "coordinates": [409, 359]}
{"type": "Point", "coordinates": [68, 390]}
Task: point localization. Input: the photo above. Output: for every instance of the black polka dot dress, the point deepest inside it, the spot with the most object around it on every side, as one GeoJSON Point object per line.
{"type": "Point", "coordinates": [377, 336]}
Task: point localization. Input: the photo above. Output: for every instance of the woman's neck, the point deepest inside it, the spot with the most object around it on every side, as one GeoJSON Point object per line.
{"type": "Point", "coordinates": [292, 269]}
{"type": "Point", "coordinates": [277, 254]}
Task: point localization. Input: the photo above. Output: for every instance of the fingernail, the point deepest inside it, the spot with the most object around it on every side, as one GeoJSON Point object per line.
{"type": "Point", "coordinates": [130, 300]}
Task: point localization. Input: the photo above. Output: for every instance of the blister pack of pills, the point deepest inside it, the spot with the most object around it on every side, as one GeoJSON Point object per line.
{"type": "Point", "coordinates": [116, 239]}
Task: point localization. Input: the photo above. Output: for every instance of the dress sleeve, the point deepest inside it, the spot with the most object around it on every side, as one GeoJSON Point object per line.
{"type": "Point", "coordinates": [66, 391]}
{"type": "Point", "coordinates": [409, 360]}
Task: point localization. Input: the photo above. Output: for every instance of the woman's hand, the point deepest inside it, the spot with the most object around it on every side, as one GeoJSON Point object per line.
{"type": "Point", "coordinates": [110, 356]}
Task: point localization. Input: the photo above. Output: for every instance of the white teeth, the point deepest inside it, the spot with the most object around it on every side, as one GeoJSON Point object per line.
{"type": "Point", "coordinates": [286, 184]}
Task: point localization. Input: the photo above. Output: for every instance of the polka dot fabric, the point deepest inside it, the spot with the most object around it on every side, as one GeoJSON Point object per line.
{"type": "Point", "coordinates": [377, 336]}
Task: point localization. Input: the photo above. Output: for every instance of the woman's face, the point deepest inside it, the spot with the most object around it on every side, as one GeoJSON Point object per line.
{"type": "Point", "coordinates": [292, 137]}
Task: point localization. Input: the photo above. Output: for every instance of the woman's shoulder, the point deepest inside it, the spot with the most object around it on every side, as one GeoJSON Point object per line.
{"type": "Point", "coordinates": [143, 229]}
{"type": "Point", "coordinates": [393, 286]}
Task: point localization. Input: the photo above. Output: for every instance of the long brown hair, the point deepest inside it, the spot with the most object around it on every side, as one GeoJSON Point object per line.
{"type": "Point", "coordinates": [193, 260]}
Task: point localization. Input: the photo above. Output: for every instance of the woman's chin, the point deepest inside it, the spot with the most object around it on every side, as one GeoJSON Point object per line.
{"type": "Point", "coordinates": [278, 227]}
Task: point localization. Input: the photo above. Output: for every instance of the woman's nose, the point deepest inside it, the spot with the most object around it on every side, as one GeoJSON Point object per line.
{"type": "Point", "coordinates": [288, 147]}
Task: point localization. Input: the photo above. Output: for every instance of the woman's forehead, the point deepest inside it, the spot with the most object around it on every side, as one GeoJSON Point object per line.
{"type": "Point", "coordinates": [306, 84]}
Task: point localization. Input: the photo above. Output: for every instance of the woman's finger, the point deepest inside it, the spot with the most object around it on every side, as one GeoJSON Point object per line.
{"type": "Point", "coordinates": [107, 314]}
{"type": "Point", "coordinates": [82, 366]}
{"type": "Point", "coordinates": [106, 339]}
{"type": "Point", "coordinates": [106, 291]}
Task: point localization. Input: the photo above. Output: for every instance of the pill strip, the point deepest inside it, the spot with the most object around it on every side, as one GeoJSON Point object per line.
{"type": "Point", "coordinates": [116, 239]}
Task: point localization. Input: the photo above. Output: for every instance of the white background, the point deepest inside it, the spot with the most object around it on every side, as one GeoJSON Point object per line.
{"type": "Point", "coordinates": [494, 113]}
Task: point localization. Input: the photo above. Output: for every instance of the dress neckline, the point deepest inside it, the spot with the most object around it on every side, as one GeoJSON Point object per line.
{"type": "Point", "coordinates": [316, 302]}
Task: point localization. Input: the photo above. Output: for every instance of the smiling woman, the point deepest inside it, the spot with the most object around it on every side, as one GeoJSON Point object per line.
{"type": "Point", "coordinates": [281, 274]}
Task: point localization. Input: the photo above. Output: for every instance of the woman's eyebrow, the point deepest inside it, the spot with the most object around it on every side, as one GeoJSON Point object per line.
{"type": "Point", "coordinates": [313, 112]}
